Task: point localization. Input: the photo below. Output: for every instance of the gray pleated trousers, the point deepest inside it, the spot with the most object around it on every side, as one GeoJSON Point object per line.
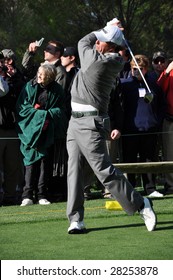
{"type": "Point", "coordinates": [86, 138]}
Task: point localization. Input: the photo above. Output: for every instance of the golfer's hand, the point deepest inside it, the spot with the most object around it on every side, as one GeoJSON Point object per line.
{"type": "Point", "coordinates": [169, 68]}
{"type": "Point", "coordinates": [115, 134]}
{"type": "Point", "coordinates": [115, 22]}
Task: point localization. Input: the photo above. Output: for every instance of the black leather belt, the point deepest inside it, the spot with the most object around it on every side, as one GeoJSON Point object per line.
{"type": "Point", "coordinates": [79, 114]}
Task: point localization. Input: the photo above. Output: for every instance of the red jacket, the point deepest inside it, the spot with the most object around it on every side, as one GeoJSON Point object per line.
{"type": "Point", "coordinates": [166, 83]}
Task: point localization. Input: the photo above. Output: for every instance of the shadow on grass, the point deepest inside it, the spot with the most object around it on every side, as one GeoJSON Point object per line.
{"type": "Point", "coordinates": [133, 226]}
{"type": "Point", "coordinates": [113, 227]}
{"type": "Point", "coordinates": [165, 227]}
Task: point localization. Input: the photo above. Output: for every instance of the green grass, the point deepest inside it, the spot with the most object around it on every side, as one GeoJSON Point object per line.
{"type": "Point", "coordinates": [40, 232]}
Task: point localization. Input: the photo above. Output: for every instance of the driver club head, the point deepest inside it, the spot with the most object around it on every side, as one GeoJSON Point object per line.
{"type": "Point", "coordinates": [148, 97]}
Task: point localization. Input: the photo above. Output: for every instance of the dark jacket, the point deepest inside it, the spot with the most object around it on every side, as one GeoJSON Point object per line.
{"type": "Point", "coordinates": [8, 102]}
{"type": "Point", "coordinates": [69, 81]}
{"type": "Point", "coordinates": [139, 115]}
{"type": "Point", "coordinates": [116, 109]}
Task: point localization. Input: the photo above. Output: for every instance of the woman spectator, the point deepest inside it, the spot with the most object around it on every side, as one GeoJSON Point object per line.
{"type": "Point", "coordinates": [41, 120]}
{"type": "Point", "coordinates": [142, 120]}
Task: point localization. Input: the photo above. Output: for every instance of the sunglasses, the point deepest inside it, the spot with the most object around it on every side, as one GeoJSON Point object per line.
{"type": "Point", "coordinates": [51, 49]}
{"type": "Point", "coordinates": [136, 69]}
{"type": "Point", "coordinates": [157, 60]}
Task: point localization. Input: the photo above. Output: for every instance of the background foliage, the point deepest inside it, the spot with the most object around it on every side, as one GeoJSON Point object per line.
{"type": "Point", "coordinates": [148, 24]}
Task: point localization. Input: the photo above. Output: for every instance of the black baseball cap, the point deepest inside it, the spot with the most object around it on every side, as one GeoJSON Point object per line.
{"type": "Point", "coordinates": [70, 51]}
{"type": "Point", "coordinates": [159, 54]}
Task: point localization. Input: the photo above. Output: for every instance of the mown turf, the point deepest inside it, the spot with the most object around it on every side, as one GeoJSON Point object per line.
{"type": "Point", "coordinates": [40, 233]}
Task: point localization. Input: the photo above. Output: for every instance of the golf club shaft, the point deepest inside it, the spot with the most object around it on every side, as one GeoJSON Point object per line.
{"type": "Point", "coordinates": [136, 64]}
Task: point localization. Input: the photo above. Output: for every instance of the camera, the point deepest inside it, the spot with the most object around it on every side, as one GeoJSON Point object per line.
{"type": "Point", "coordinates": [4, 68]}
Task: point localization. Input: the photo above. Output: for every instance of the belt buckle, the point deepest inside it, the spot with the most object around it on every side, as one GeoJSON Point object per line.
{"type": "Point", "coordinates": [80, 114]}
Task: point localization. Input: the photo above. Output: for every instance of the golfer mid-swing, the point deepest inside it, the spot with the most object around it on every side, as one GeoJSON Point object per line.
{"type": "Point", "coordinates": [89, 129]}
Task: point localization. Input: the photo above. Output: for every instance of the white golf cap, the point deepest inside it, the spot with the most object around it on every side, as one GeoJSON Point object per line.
{"type": "Point", "coordinates": [110, 33]}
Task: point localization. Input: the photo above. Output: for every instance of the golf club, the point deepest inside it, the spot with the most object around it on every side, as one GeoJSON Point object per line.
{"type": "Point", "coordinates": [148, 96]}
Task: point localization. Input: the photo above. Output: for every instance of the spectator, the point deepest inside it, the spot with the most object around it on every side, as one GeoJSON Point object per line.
{"type": "Point", "coordinates": [4, 88]}
{"type": "Point", "coordinates": [69, 60]}
{"type": "Point", "coordinates": [11, 167]}
{"type": "Point", "coordinates": [116, 114]}
{"type": "Point", "coordinates": [166, 82]}
{"type": "Point", "coordinates": [89, 127]}
{"type": "Point", "coordinates": [141, 121]}
{"type": "Point", "coordinates": [58, 182]}
{"type": "Point", "coordinates": [41, 120]}
{"type": "Point", "coordinates": [126, 72]}
{"type": "Point", "coordinates": [52, 54]}
{"type": "Point", "coordinates": [159, 64]}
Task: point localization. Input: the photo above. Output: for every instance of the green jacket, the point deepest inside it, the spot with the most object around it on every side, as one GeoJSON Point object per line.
{"type": "Point", "coordinates": [30, 121]}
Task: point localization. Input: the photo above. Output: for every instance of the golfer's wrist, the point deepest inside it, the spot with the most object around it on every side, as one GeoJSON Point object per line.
{"type": "Point", "coordinates": [166, 73]}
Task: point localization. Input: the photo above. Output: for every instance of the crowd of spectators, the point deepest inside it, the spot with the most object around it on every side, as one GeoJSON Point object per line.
{"type": "Point", "coordinates": [35, 108]}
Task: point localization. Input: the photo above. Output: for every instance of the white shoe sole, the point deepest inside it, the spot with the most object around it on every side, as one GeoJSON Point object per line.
{"type": "Point", "coordinates": [77, 228]}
